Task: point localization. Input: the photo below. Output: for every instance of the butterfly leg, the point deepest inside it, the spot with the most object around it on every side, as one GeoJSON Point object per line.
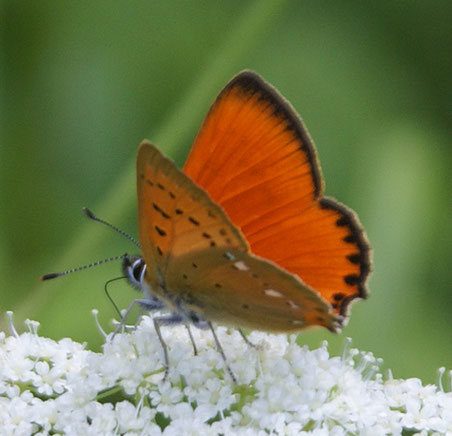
{"type": "Point", "coordinates": [152, 303]}
{"type": "Point", "coordinates": [192, 339]}
{"type": "Point", "coordinates": [203, 324]}
{"type": "Point", "coordinates": [221, 351]}
{"type": "Point", "coordinates": [166, 320]}
{"type": "Point", "coordinates": [149, 304]}
{"type": "Point", "coordinates": [247, 341]}
{"type": "Point", "coordinates": [156, 304]}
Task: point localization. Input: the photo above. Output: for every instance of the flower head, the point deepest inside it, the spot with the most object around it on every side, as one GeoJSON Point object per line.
{"type": "Point", "coordinates": [282, 389]}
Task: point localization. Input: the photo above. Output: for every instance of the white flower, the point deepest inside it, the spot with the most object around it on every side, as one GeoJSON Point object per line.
{"type": "Point", "coordinates": [165, 396]}
{"type": "Point", "coordinates": [283, 389]}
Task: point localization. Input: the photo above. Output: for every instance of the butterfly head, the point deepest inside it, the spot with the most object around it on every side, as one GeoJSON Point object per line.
{"type": "Point", "coordinates": [134, 268]}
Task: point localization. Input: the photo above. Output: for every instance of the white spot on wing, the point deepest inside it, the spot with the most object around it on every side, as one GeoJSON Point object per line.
{"type": "Point", "coordinates": [242, 266]}
{"type": "Point", "coordinates": [273, 293]}
{"type": "Point", "coordinates": [229, 256]}
{"type": "Point", "coordinates": [292, 304]}
{"type": "Point", "coordinates": [297, 322]}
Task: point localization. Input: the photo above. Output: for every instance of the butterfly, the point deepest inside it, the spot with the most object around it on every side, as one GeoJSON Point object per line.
{"type": "Point", "coordinates": [243, 235]}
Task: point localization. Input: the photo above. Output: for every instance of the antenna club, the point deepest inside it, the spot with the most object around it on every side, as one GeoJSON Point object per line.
{"type": "Point", "coordinates": [49, 276]}
{"type": "Point", "coordinates": [88, 213]}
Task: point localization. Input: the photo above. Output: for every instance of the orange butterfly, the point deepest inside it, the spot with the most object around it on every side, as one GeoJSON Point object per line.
{"type": "Point", "coordinates": [243, 236]}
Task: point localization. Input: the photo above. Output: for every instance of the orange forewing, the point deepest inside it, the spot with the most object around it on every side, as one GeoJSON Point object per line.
{"type": "Point", "coordinates": [170, 207]}
{"type": "Point", "coordinates": [255, 159]}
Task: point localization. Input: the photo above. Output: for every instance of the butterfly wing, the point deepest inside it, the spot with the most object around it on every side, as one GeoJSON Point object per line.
{"type": "Point", "coordinates": [272, 190]}
{"type": "Point", "coordinates": [196, 256]}
{"type": "Point", "coordinates": [239, 289]}
{"type": "Point", "coordinates": [175, 217]}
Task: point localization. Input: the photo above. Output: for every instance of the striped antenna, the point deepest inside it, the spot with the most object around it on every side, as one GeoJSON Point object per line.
{"type": "Point", "coordinates": [80, 268]}
{"type": "Point", "coordinates": [90, 215]}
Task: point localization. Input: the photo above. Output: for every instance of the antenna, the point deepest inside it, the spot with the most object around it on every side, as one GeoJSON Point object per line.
{"type": "Point", "coordinates": [90, 215]}
{"type": "Point", "coordinates": [80, 268]}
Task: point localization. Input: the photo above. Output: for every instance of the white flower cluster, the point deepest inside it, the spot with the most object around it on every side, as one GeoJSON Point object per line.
{"type": "Point", "coordinates": [49, 387]}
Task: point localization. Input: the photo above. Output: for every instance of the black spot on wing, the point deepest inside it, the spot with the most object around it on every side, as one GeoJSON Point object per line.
{"type": "Point", "coordinates": [338, 296]}
{"type": "Point", "coordinates": [343, 221]}
{"type": "Point", "coordinates": [355, 258]}
{"type": "Point", "coordinates": [159, 230]}
{"type": "Point", "coordinates": [158, 209]}
{"type": "Point", "coordinates": [351, 279]}
{"type": "Point", "coordinates": [193, 221]}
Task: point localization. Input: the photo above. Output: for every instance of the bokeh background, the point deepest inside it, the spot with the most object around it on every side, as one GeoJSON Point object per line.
{"type": "Point", "coordinates": [82, 83]}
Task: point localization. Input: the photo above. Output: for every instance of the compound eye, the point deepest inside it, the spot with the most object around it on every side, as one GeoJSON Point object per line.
{"type": "Point", "coordinates": [136, 272]}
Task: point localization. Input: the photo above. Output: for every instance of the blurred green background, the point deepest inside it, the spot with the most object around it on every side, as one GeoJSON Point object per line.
{"type": "Point", "coordinates": [82, 83]}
